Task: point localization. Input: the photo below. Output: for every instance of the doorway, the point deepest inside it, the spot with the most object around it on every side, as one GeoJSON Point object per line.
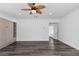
{"type": "Point", "coordinates": [53, 30]}
{"type": "Point", "coordinates": [53, 34]}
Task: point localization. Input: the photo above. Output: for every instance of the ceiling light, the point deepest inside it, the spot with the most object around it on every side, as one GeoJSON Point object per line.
{"type": "Point", "coordinates": [33, 11]}
{"type": "Point", "coordinates": [34, 8]}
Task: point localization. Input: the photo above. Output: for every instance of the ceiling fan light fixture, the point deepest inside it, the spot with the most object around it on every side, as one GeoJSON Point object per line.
{"type": "Point", "coordinates": [33, 11]}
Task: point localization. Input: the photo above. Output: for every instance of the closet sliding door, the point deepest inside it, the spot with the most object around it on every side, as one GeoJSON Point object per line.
{"type": "Point", "coordinates": [6, 33]}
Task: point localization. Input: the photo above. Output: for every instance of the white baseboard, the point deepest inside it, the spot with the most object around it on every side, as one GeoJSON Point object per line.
{"type": "Point", "coordinates": [32, 40]}
{"type": "Point", "coordinates": [73, 46]}
{"type": "Point", "coordinates": [6, 44]}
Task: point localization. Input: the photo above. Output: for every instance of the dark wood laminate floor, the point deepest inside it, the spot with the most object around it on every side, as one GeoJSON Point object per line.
{"type": "Point", "coordinates": [38, 49]}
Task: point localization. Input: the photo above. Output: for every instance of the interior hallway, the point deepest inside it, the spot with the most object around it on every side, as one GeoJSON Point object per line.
{"type": "Point", "coordinates": [38, 48]}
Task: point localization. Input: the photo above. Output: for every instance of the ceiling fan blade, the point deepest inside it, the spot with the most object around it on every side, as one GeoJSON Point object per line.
{"type": "Point", "coordinates": [38, 11]}
{"type": "Point", "coordinates": [30, 4]}
{"type": "Point", "coordinates": [40, 6]}
{"type": "Point", "coordinates": [25, 9]}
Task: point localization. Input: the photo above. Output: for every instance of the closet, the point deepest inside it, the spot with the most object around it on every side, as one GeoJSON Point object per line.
{"type": "Point", "coordinates": [6, 32]}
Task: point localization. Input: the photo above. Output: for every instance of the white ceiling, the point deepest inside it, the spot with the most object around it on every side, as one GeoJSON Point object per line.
{"type": "Point", "coordinates": [52, 10]}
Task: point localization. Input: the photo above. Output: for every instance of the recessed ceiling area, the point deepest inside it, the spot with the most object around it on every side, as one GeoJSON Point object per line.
{"type": "Point", "coordinates": [52, 10]}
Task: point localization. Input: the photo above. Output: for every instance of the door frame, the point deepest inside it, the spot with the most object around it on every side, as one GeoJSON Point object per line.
{"type": "Point", "coordinates": [57, 28]}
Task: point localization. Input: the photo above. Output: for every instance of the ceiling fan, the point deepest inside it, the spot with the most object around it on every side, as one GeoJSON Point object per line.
{"type": "Point", "coordinates": [34, 8]}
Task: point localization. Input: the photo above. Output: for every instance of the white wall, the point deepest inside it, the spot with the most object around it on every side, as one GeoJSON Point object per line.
{"type": "Point", "coordinates": [33, 29]}
{"type": "Point", "coordinates": [69, 29]}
